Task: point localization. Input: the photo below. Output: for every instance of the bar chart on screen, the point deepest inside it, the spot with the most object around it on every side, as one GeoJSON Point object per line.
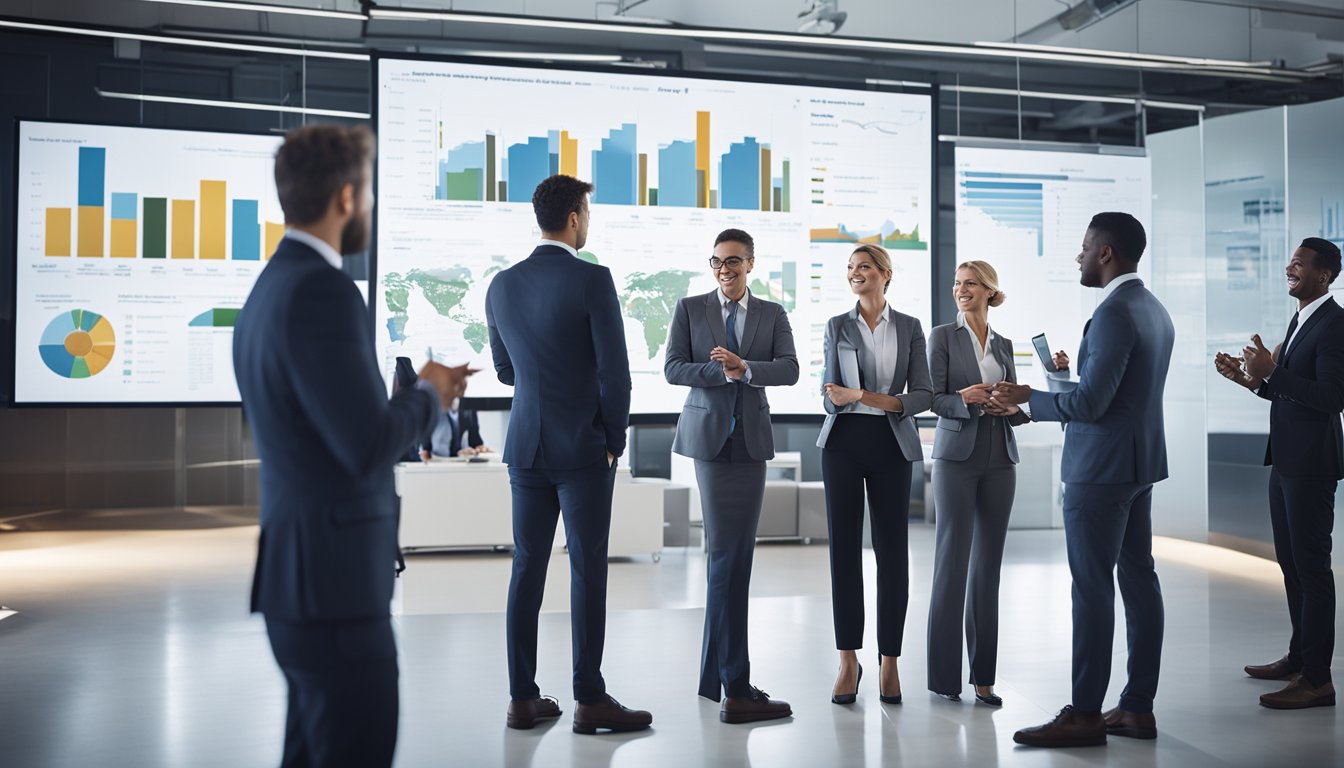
{"type": "Point", "coordinates": [160, 235]}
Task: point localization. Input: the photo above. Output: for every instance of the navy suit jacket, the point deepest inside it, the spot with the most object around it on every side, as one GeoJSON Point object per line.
{"type": "Point", "coordinates": [1115, 431]}
{"type": "Point", "coordinates": [558, 339]}
{"type": "Point", "coordinates": [1307, 392]}
{"type": "Point", "coordinates": [327, 437]}
{"type": "Point", "coordinates": [467, 423]}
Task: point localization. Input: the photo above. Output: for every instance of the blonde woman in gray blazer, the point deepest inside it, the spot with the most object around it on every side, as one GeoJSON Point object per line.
{"type": "Point", "coordinates": [974, 479]}
{"type": "Point", "coordinates": [876, 380]}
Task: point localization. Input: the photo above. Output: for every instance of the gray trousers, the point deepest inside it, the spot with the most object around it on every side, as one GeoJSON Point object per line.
{"type": "Point", "coordinates": [973, 499]}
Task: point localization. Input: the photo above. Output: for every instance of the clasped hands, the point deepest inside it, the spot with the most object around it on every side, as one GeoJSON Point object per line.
{"type": "Point", "coordinates": [1252, 368]}
{"type": "Point", "coordinates": [995, 399]}
{"type": "Point", "coordinates": [734, 367]}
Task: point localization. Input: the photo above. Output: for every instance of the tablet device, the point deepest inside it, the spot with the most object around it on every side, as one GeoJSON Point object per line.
{"type": "Point", "coordinates": [1043, 352]}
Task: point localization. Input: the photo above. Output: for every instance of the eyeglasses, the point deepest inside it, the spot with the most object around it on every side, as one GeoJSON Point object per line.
{"type": "Point", "coordinates": [732, 262]}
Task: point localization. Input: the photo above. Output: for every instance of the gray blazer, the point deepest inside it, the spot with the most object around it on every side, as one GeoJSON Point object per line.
{"type": "Point", "coordinates": [912, 375]}
{"type": "Point", "coordinates": [953, 366]}
{"type": "Point", "coordinates": [767, 346]}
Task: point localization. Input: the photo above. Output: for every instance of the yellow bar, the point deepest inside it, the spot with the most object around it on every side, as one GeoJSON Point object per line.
{"type": "Point", "coordinates": [184, 229]}
{"type": "Point", "coordinates": [90, 230]}
{"type": "Point", "coordinates": [213, 202]}
{"type": "Point", "coordinates": [569, 155]}
{"type": "Point", "coordinates": [273, 234]}
{"type": "Point", "coordinates": [643, 178]}
{"type": "Point", "coordinates": [702, 154]}
{"type": "Point", "coordinates": [765, 179]}
{"type": "Point", "coordinates": [123, 238]}
{"type": "Point", "coordinates": [58, 232]}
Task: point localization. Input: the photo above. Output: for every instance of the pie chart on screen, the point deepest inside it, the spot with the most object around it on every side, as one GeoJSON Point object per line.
{"type": "Point", "coordinates": [78, 344]}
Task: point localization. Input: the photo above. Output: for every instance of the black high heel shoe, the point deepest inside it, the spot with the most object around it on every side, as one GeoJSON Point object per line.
{"type": "Point", "coordinates": [885, 698]}
{"type": "Point", "coordinates": [849, 698]}
{"type": "Point", "coordinates": [991, 698]}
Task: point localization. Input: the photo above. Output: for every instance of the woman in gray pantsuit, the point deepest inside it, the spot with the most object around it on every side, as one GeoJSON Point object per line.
{"type": "Point", "coordinates": [974, 479]}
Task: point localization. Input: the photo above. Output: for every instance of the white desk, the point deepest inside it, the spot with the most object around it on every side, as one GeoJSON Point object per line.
{"type": "Point", "coordinates": [451, 504]}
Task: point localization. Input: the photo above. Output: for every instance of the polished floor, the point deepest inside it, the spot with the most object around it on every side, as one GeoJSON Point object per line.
{"type": "Point", "coordinates": [134, 648]}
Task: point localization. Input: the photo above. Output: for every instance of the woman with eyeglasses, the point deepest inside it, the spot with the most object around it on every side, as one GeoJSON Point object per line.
{"type": "Point", "coordinates": [876, 380]}
{"type": "Point", "coordinates": [974, 479]}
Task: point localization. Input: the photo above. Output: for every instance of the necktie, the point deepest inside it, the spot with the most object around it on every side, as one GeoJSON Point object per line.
{"type": "Point", "coordinates": [730, 327]}
{"type": "Point", "coordinates": [1283, 353]}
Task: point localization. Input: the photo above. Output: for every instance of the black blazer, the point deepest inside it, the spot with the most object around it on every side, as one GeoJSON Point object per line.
{"type": "Point", "coordinates": [327, 437]}
{"type": "Point", "coordinates": [466, 422]}
{"type": "Point", "coordinates": [1307, 392]}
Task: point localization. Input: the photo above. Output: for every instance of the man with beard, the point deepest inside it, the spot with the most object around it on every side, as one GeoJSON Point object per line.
{"type": "Point", "coordinates": [327, 437]}
{"type": "Point", "coordinates": [1114, 451]}
{"type": "Point", "coordinates": [1304, 381]}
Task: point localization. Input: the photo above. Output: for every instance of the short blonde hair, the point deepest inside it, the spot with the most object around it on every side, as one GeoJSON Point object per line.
{"type": "Point", "coordinates": [988, 277]}
{"type": "Point", "coordinates": [881, 259]}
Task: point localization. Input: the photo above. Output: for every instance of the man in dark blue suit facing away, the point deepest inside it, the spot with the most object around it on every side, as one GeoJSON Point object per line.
{"type": "Point", "coordinates": [1114, 451]}
{"type": "Point", "coordinates": [558, 339]}
{"type": "Point", "coordinates": [327, 437]}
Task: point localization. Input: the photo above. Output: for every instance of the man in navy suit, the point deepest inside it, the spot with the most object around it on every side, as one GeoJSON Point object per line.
{"type": "Point", "coordinates": [327, 437]}
{"type": "Point", "coordinates": [1114, 451]}
{"type": "Point", "coordinates": [558, 339]}
{"type": "Point", "coordinates": [1304, 381]}
{"type": "Point", "coordinates": [458, 433]}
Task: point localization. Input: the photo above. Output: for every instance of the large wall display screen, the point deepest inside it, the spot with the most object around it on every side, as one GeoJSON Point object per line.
{"type": "Point", "coordinates": [1025, 212]}
{"type": "Point", "coordinates": [136, 248]}
{"type": "Point", "coordinates": [807, 171]}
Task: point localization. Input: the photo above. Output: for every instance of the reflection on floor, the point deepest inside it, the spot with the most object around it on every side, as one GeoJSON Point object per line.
{"type": "Point", "coordinates": [134, 648]}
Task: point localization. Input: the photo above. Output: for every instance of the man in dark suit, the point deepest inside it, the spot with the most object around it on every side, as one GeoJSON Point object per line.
{"type": "Point", "coordinates": [727, 346]}
{"type": "Point", "coordinates": [1304, 381]}
{"type": "Point", "coordinates": [1114, 451]}
{"type": "Point", "coordinates": [457, 433]}
{"type": "Point", "coordinates": [327, 437]}
{"type": "Point", "coordinates": [558, 339]}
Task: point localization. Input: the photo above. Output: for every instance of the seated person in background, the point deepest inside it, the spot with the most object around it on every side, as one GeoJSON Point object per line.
{"type": "Point", "coordinates": [457, 433]}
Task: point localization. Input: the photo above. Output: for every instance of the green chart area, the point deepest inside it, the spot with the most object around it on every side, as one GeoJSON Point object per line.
{"type": "Point", "coordinates": [77, 344]}
{"type": "Point", "coordinates": [219, 317]}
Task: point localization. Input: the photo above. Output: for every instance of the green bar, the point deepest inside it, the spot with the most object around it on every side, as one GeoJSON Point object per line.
{"type": "Point", "coordinates": [653, 195]}
{"type": "Point", "coordinates": [777, 201]}
{"type": "Point", "coordinates": [503, 191]}
{"type": "Point", "coordinates": [490, 168]}
{"type": "Point", "coordinates": [463, 185]}
{"type": "Point", "coordinates": [156, 228]}
{"type": "Point", "coordinates": [785, 209]}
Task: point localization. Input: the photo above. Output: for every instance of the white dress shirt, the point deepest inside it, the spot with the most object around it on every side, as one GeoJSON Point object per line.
{"type": "Point", "coordinates": [1303, 315]}
{"type": "Point", "coordinates": [1116, 283]}
{"type": "Point", "coordinates": [879, 347]}
{"type": "Point", "coordinates": [317, 244]}
{"type": "Point", "coordinates": [991, 371]}
{"type": "Point", "coordinates": [739, 324]}
{"type": "Point", "coordinates": [572, 251]}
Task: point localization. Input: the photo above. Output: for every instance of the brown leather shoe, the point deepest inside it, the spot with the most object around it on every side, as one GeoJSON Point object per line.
{"type": "Point", "coordinates": [1300, 694]}
{"type": "Point", "coordinates": [609, 715]}
{"type": "Point", "coordinates": [1277, 670]}
{"type": "Point", "coordinates": [1134, 725]}
{"type": "Point", "coordinates": [753, 707]}
{"type": "Point", "coordinates": [527, 713]}
{"type": "Point", "coordinates": [1070, 728]}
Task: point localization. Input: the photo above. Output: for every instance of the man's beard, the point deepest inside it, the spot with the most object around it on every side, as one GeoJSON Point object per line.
{"type": "Point", "coordinates": [355, 236]}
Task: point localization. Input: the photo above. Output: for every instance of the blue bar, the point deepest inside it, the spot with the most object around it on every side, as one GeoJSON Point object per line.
{"type": "Point", "coordinates": [999, 185]}
{"type": "Point", "coordinates": [994, 194]}
{"type": "Point", "coordinates": [998, 175]}
{"type": "Point", "coordinates": [676, 174]}
{"type": "Point", "coordinates": [1017, 202]}
{"type": "Point", "coordinates": [124, 205]}
{"type": "Point", "coordinates": [92, 175]}
{"type": "Point", "coordinates": [246, 231]}
{"type": "Point", "coordinates": [740, 177]}
{"type": "Point", "coordinates": [616, 168]}
{"type": "Point", "coordinates": [529, 165]}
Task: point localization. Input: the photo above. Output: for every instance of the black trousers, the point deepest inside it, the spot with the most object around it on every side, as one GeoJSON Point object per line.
{"type": "Point", "coordinates": [862, 453]}
{"type": "Point", "coordinates": [342, 679]}
{"type": "Point", "coordinates": [540, 496]}
{"type": "Point", "coordinates": [1302, 511]}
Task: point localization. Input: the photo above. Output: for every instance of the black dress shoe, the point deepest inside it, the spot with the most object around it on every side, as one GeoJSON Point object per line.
{"type": "Point", "coordinates": [755, 706]}
{"type": "Point", "coordinates": [849, 698]}
{"type": "Point", "coordinates": [950, 696]}
{"type": "Point", "coordinates": [1070, 728]}
{"type": "Point", "coordinates": [992, 699]}
{"type": "Point", "coordinates": [608, 714]}
{"type": "Point", "coordinates": [1283, 669]}
{"type": "Point", "coordinates": [1133, 725]}
{"type": "Point", "coordinates": [527, 713]}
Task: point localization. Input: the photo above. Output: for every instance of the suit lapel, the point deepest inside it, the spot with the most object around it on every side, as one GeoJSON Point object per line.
{"type": "Point", "coordinates": [1305, 330]}
{"type": "Point", "coordinates": [714, 316]}
{"type": "Point", "coordinates": [754, 309]}
{"type": "Point", "coordinates": [1000, 348]}
{"type": "Point", "coordinates": [902, 347]}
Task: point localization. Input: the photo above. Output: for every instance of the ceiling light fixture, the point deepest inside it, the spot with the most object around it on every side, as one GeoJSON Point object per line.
{"type": "Point", "coordinates": [267, 8]}
{"type": "Point", "coordinates": [187, 41]}
{"type": "Point", "coordinates": [232, 104]}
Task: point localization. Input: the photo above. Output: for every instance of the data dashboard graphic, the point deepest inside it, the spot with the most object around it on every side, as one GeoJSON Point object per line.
{"type": "Point", "coordinates": [1025, 212]}
{"type": "Point", "coordinates": [145, 243]}
{"type": "Point", "coordinates": [809, 172]}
